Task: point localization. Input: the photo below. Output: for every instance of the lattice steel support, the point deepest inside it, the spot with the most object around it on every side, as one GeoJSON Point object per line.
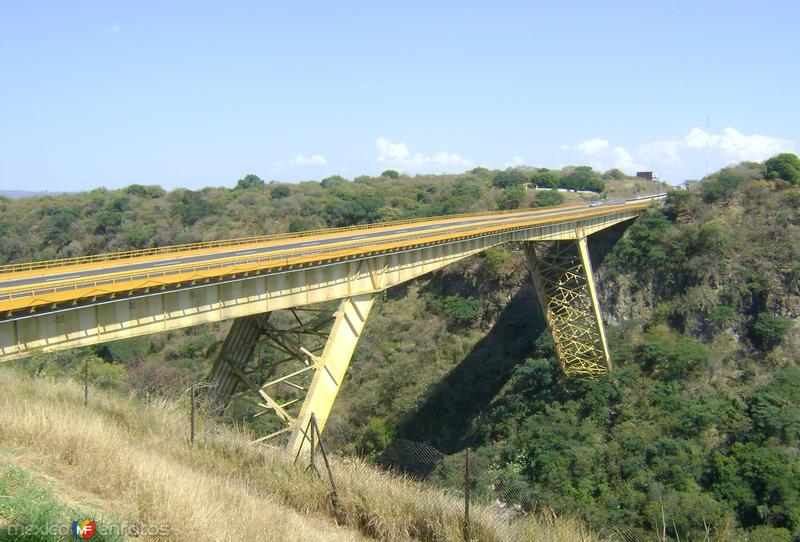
{"type": "Point", "coordinates": [308, 374]}
{"type": "Point", "coordinates": [562, 273]}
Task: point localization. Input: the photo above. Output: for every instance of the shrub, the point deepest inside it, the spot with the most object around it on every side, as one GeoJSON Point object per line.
{"type": "Point", "coordinates": [249, 181]}
{"type": "Point", "coordinates": [279, 192]}
{"type": "Point", "coordinates": [509, 177]}
{"type": "Point", "coordinates": [546, 198]}
{"type": "Point", "coordinates": [462, 311]}
{"type": "Point", "coordinates": [769, 329]}
{"type": "Point", "coordinates": [784, 166]}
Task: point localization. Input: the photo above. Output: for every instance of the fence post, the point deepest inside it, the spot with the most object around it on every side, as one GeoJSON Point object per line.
{"type": "Point", "coordinates": [194, 413]}
{"type": "Point", "coordinates": [466, 496]}
{"type": "Point", "coordinates": [86, 381]}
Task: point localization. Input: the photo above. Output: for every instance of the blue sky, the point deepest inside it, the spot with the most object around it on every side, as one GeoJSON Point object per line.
{"type": "Point", "coordinates": [199, 93]}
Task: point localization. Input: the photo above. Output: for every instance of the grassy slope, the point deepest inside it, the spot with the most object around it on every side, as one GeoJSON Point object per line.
{"type": "Point", "coordinates": [124, 461]}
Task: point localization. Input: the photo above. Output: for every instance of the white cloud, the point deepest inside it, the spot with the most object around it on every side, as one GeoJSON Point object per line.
{"type": "Point", "coordinates": [691, 156]}
{"type": "Point", "coordinates": [314, 159]}
{"type": "Point", "coordinates": [593, 146]}
{"type": "Point", "coordinates": [754, 147]}
{"type": "Point", "coordinates": [391, 151]}
{"type": "Point", "coordinates": [662, 152]}
{"type": "Point", "coordinates": [300, 160]}
{"type": "Point", "coordinates": [113, 29]}
{"type": "Point", "coordinates": [624, 160]}
{"type": "Point", "coordinates": [729, 146]}
{"type": "Point", "coordinates": [398, 155]}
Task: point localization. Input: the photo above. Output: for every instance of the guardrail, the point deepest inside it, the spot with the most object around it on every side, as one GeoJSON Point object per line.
{"type": "Point", "coordinates": [286, 259]}
{"type": "Point", "coordinates": [128, 254]}
{"type": "Point", "coordinates": [77, 260]}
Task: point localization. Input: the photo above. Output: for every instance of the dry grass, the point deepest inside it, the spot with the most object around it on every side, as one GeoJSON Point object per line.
{"type": "Point", "coordinates": [135, 459]}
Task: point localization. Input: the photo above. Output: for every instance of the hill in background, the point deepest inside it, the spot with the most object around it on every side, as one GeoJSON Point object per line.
{"type": "Point", "coordinates": [697, 425]}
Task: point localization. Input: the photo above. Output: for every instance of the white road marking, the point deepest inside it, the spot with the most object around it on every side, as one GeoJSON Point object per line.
{"type": "Point", "coordinates": [165, 263]}
{"type": "Point", "coordinates": [360, 236]}
{"type": "Point", "coordinates": [63, 278]}
{"type": "Point", "coordinates": [245, 252]}
{"type": "Point", "coordinates": [309, 244]}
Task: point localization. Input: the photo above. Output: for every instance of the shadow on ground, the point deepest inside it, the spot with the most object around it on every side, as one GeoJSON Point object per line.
{"type": "Point", "coordinates": [445, 418]}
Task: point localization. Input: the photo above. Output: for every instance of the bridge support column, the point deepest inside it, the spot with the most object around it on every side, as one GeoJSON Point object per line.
{"type": "Point", "coordinates": [331, 367]}
{"type": "Point", "coordinates": [309, 374]}
{"type": "Point", "coordinates": [562, 274]}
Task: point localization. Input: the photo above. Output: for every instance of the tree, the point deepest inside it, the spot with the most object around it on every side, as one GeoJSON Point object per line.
{"type": "Point", "coordinates": [545, 178]}
{"type": "Point", "coordinates": [510, 177]}
{"type": "Point", "coordinates": [770, 329]}
{"type": "Point", "coordinates": [512, 197]}
{"type": "Point", "coordinates": [249, 181]}
{"type": "Point", "coordinates": [280, 192]}
{"type": "Point", "coordinates": [141, 191]}
{"type": "Point", "coordinates": [784, 166]}
{"type": "Point", "coordinates": [390, 174]}
{"type": "Point", "coordinates": [614, 174]}
{"type": "Point", "coordinates": [462, 311]}
{"type": "Point", "coordinates": [583, 178]}
{"type": "Point", "coordinates": [333, 180]}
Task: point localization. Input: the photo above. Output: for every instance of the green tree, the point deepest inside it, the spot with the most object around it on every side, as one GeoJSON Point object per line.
{"type": "Point", "coordinates": [512, 197]}
{"type": "Point", "coordinates": [784, 166]}
{"type": "Point", "coordinates": [546, 198]}
{"type": "Point", "coordinates": [510, 177]}
{"type": "Point", "coordinates": [462, 311]}
{"type": "Point", "coordinates": [775, 407]}
{"type": "Point", "coordinates": [770, 329]}
{"type": "Point", "coordinates": [390, 174]}
{"type": "Point", "coordinates": [280, 192]}
{"type": "Point", "coordinates": [249, 181]}
{"type": "Point", "coordinates": [583, 178]}
{"type": "Point", "coordinates": [333, 180]}
{"type": "Point", "coordinates": [615, 174]}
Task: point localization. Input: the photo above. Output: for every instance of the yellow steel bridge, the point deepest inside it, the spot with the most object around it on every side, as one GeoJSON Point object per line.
{"type": "Point", "coordinates": [54, 305]}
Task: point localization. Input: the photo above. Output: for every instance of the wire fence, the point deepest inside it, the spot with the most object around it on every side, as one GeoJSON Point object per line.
{"type": "Point", "coordinates": [498, 504]}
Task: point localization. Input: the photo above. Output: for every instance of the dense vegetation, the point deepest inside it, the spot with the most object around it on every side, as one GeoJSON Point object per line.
{"type": "Point", "coordinates": [699, 423]}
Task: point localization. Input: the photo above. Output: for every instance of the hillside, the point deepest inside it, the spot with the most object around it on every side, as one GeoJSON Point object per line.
{"type": "Point", "coordinates": [697, 426]}
{"type": "Point", "coordinates": [127, 463]}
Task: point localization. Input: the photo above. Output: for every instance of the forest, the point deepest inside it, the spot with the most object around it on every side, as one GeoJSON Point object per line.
{"type": "Point", "coordinates": [699, 421]}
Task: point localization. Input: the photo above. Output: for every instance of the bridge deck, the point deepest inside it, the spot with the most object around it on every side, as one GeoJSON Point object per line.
{"type": "Point", "coordinates": [25, 286]}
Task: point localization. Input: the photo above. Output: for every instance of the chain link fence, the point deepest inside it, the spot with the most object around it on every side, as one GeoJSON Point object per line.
{"type": "Point", "coordinates": [497, 504]}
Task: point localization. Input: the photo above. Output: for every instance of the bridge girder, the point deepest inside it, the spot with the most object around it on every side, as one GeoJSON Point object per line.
{"type": "Point", "coordinates": [562, 274]}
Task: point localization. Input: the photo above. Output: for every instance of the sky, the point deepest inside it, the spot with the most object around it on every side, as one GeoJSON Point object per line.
{"type": "Point", "coordinates": [194, 94]}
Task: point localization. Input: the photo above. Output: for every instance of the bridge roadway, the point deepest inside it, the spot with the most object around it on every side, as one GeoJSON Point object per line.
{"type": "Point", "coordinates": [397, 233]}
{"type": "Point", "coordinates": [37, 285]}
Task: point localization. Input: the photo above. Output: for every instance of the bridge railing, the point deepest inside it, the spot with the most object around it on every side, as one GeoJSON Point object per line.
{"type": "Point", "coordinates": [171, 249]}
{"type": "Point", "coordinates": [258, 262]}
{"type": "Point", "coordinates": [76, 260]}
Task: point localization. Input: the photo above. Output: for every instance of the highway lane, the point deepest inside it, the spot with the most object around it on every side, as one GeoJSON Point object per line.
{"type": "Point", "coordinates": [361, 235]}
{"type": "Point", "coordinates": [300, 244]}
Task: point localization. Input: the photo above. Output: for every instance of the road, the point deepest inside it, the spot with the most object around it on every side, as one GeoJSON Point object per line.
{"type": "Point", "coordinates": [44, 276]}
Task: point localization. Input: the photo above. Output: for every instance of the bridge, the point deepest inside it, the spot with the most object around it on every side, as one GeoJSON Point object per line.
{"type": "Point", "coordinates": [275, 289]}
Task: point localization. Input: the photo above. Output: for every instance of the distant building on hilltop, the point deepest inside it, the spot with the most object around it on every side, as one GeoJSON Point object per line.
{"type": "Point", "coordinates": [646, 175]}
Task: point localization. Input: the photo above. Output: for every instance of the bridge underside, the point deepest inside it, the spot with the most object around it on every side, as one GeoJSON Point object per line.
{"type": "Point", "coordinates": [561, 272]}
{"type": "Point", "coordinates": [309, 375]}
